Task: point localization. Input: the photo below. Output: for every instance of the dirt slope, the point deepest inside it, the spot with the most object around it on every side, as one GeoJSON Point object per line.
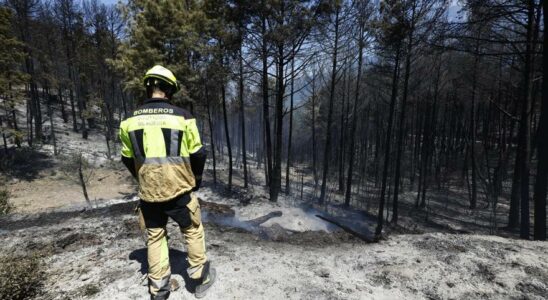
{"type": "Point", "coordinates": [99, 254]}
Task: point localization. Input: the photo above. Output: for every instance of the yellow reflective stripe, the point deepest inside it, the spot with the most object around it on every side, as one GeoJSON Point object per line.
{"type": "Point", "coordinates": [127, 150]}
{"type": "Point", "coordinates": [192, 137]}
{"type": "Point", "coordinates": [154, 142]}
{"type": "Point", "coordinates": [164, 250]}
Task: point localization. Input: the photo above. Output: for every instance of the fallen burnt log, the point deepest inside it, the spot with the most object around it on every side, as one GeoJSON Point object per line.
{"type": "Point", "coordinates": [225, 211]}
{"type": "Point", "coordinates": [224, 215]}
{"type": "Point", "coordinates": [260, 220]}
{"type": "Point", "coordinates": [349, 230]}
{"type": "Point", "coordinates": [446, 227]}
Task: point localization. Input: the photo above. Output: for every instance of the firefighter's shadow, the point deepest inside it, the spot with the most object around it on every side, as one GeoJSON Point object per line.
{"type": "Point", "coordinates": [177, 260]}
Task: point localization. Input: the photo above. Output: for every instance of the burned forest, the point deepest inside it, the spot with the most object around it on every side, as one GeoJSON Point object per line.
{"type": "Point", "coordinates": [354, 149]}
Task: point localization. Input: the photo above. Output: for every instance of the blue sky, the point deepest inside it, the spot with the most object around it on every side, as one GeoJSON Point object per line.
{"type": "Point", "coordinates": [109, 1]}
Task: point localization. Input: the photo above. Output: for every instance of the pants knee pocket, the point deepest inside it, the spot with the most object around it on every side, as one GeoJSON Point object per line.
{"type": "Point", "coordinates": [194, 211]}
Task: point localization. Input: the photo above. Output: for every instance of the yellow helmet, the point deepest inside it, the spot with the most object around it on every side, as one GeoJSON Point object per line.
{"type": "Point", "coordinates": [163, 74]}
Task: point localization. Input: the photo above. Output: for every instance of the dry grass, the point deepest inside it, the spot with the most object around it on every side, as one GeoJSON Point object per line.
{"type": "Point", "coordinates": [21, 277]}
{"type": "Point", "coordinates": [5, 204]}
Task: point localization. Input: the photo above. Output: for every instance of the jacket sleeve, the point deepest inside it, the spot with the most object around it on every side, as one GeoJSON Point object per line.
{"type": "Point", "coordinates": [127, 152]}
{"type": "Point", "coordinates": [196, 151]}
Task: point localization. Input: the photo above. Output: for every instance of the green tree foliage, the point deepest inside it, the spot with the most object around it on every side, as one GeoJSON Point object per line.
{"type": "Point", "coordinates": [11, 54]}
{"type": "Point", "coordinates": [160, 32]}
{"type": "Point", "coordinates": [11, 78]}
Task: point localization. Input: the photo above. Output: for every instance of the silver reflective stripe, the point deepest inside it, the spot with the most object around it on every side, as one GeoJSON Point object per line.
{"type": "Point", "coordinates": [160, 284]}
{"type": "Point", "coordinates": [174, 142]}
{"type": "Point", "coordinates": [135, 145]}
{"type": "Point", "coordinates": [166, 160]}
{"type": "Point", "coordinates": [191, 271]}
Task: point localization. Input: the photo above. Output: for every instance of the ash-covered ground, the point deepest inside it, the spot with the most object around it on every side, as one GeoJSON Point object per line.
{"type": "Point", "coordinates": [100, 254]}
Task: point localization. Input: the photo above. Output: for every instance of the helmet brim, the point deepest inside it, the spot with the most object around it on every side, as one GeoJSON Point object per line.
{"type": "Point", "coordinates": [163, 78]}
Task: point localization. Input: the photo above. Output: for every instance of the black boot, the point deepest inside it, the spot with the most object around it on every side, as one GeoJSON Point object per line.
{"type": "Point", "coordinates": [163, 292]}
{"type": "Point", "coordinates": [204, 283]}
{"type": "Point", "coordinates": [160, 296]}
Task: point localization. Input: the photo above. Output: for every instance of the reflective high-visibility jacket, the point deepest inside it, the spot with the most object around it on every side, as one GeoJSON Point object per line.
{"type": "Point", "coordinates": [162, 144]}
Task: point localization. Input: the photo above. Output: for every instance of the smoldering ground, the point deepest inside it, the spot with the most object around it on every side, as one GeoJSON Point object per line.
{"type": "Point", "coordinates": [99, 254]}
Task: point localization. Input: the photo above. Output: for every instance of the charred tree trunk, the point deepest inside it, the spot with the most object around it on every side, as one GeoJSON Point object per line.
{"type": "Point", "coordinates": [23, 12]}
{"type": "Point", "coordinates": [525, 129]}
{"type": "Point", "coordinates": [62, 102]}
{"type": "Point", "coordinates": [402, 121]}
{"type": "Point", "coordinates": [472, 144]}
{"type": "Point", "coordinates": [50, 116]}
{"type": "Point", "coordinates": [242, 113]}
{"type": "Point", "coordinates": [73, 110]}
{"type": "Point", "coordinates": [276, 177]}
{"type": "Point", "coordinates": [80, 163]}
{"type": "Point", "coordinates": [266, 113]}
{"type": "Point", "coordinates": [107, 112]}
{"type": "Point", "coordinates": [36, 112]}
{"type": "Point", "coordinates": [123, 97]}
{"type": "Point", "coordinates": [82, 110]}
{"type": "Point", "coordinates": [542, 146]}
{"type": "Point", "coordinates": [211, 137]}
{"type": "Point", "coordinates": [288, 164]}
{"type": "Point", "coordinates": [327, 150]}
{"type": "Point", "coordinates": [227, 135]}
{"type": "Point", "coordinates": [68, 55]}
{"type": "Point", "coordinates": [5, 144]}
{"type": "Point", "coordinates": [348, 193]}
{"type": "Point", "coordinates": [314, 151]}
{"type": "Point", "coordinates": [30, 118]}
{"type": "Point", "coordinates": [342, 125]}
{"type": "Point", "coordinates": [513, 213]}
{"type": "Point", "coordinates": [395, 77]}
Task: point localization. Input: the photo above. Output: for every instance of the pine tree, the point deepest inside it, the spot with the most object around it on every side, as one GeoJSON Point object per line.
{"type": "Point", "coordinates": [11, 78]}
{"type": "Point", "coordinates": [161, 32]}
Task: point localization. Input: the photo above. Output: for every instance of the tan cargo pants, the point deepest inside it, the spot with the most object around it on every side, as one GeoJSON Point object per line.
{"type": "Point", "coordinates": [159, 271]}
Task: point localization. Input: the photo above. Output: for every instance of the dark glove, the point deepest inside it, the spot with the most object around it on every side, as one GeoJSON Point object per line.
{"type": "Point", "coordinates": [198, 184]}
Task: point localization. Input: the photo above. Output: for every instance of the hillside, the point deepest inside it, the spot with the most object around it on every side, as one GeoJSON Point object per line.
{"type": "Point", "coordinates": [99, 254]}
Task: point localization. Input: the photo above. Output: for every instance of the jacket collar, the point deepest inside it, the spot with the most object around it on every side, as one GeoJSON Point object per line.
{"type": "Point", "coordinates": [149, 100]}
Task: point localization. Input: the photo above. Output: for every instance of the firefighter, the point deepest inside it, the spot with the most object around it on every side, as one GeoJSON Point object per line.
{"type": "Point", "coordinates": [161, 147]}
